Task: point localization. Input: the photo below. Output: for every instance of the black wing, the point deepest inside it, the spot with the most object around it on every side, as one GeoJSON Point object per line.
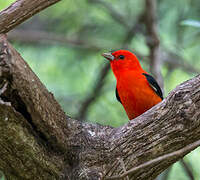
{"type": "Point", "coordinates": [117, 95]}
{"type": "Point", "coordinates": [154, 85]}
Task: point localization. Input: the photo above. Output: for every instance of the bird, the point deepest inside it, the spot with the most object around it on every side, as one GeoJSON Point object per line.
{"type": "Point", "coordinates": [136, 90]}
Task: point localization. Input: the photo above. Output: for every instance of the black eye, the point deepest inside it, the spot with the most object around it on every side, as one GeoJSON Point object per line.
{"type": "Point", "coordinates": [121, 57]}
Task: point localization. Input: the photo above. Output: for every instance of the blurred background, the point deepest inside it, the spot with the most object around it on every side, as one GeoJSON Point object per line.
{"type": "Point", "coordinates": [63, 46]}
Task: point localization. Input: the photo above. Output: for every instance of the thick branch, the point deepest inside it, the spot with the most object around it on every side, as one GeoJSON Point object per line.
{"type": "Point", "coordinates": [30, 97]}
{"type": "Point", "coordinates": [166, 128]}
{"type": "Point", "coordinates": [21, 10]}
{"type": "Point", "coordinates": [22, 155]}
{"type": "Point", "coordinates": [188, 148]}
{"type": "Point", "coordinates": [91, 151]}
{"type": "Point", "coordinates": [38, 141]}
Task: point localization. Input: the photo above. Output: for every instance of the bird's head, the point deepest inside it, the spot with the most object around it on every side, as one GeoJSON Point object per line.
{"type": "Point", "coordinates": [122, 60]}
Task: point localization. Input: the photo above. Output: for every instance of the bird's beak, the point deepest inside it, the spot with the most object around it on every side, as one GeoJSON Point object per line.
{"type": "Point", "coordinates": [108, 56]}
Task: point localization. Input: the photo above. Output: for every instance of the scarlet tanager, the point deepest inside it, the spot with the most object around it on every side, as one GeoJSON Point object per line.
{"type": "Point", "coordinates": [136, 89]}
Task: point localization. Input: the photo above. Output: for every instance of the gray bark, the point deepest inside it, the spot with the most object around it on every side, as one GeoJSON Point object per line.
{"type": "Point", "coordinates": [38, 141]}
{"type": "Point", "coordinates": [21, 10]}
{"type": "Point", "coordinates": [36, 133]}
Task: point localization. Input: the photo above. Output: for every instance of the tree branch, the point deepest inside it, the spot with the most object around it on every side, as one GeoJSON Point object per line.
{"type": "Point", "coordinates": [113, 13]}
{"type": "Point", "coordinates": [21, 151]}
{"type": "Point", "coordinates": [153, 40]}
{"type": "Point", "coordinates": [83, 150]}
{"type": "Point", "coordinates": [175, 61]}
{"type": "Point", "coordinates": [41, 110]}
{"type": "Point", "coordinates": [28, 146]}
{"type": "Point", "coordinates": [187, 169]}
{"type": "Point", "coordinates": [28, 36]}
{"type": "Point", "coordinates": [21, 10]}
{"type": "Point", "coordinates": [33, 36]}
{"type": "Point", "coordinates": [167, 128]}
{"type": "Point", "coordinates": [95, 93]}
{"type": "Point", "coordinates": [39, 142]}
{"type": "Point", "coordinates": [186, 149]}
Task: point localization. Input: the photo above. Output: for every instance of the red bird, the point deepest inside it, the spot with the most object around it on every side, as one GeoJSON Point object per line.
{"type": "Point", "coordinates": [136, 89]}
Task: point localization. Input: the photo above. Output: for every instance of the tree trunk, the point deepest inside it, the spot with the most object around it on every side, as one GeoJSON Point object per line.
{"type": "Point", "coordinates": [38, 141]}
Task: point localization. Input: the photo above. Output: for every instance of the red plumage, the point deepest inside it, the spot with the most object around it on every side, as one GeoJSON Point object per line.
{"type": "Point", "coordinates": [137, 90]}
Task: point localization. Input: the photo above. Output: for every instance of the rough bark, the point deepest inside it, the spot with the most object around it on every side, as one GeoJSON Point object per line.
{"type": "Point", "coordinates": [37, 139]}
{"type": "Point", "coordinates": [21, 10]}
{"type": "Point", "coordinates": [27, 89]}
{"type": "Point", "coordinates": [39, 142]}
{"type": "Point", "coordinates": [33, 111]}
{"type": "Point", "coordinates": [22, 155]}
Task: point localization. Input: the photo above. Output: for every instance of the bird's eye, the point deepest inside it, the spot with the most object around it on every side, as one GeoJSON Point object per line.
{"type": "Point", "coordinates": [121, 57]}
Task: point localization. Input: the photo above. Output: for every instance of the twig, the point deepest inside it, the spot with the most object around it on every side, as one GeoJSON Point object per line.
{"type": "Point", "coordinates": [30, 36]}
{"type": "Point", "coordinates": [176, 61]}
{"type": "Point", "coordinates": [94, 94]}
{"type": "Point", "coordinates": [34, 36]}
{"type": "Point", "coordinates": [187, 149]}
{"type": "Point", "coordinates": [153, 40]}
{"type": "Point", "coordinates": [104, 71]}
{"type": "Point", "coordinates": [136, 27]}
{"type": "Point", "coordinates": [113, 13]}
{"type": "Point", "coordinates": [123, 167]}
{"type": "Point", "coordinates": [187, 169]}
